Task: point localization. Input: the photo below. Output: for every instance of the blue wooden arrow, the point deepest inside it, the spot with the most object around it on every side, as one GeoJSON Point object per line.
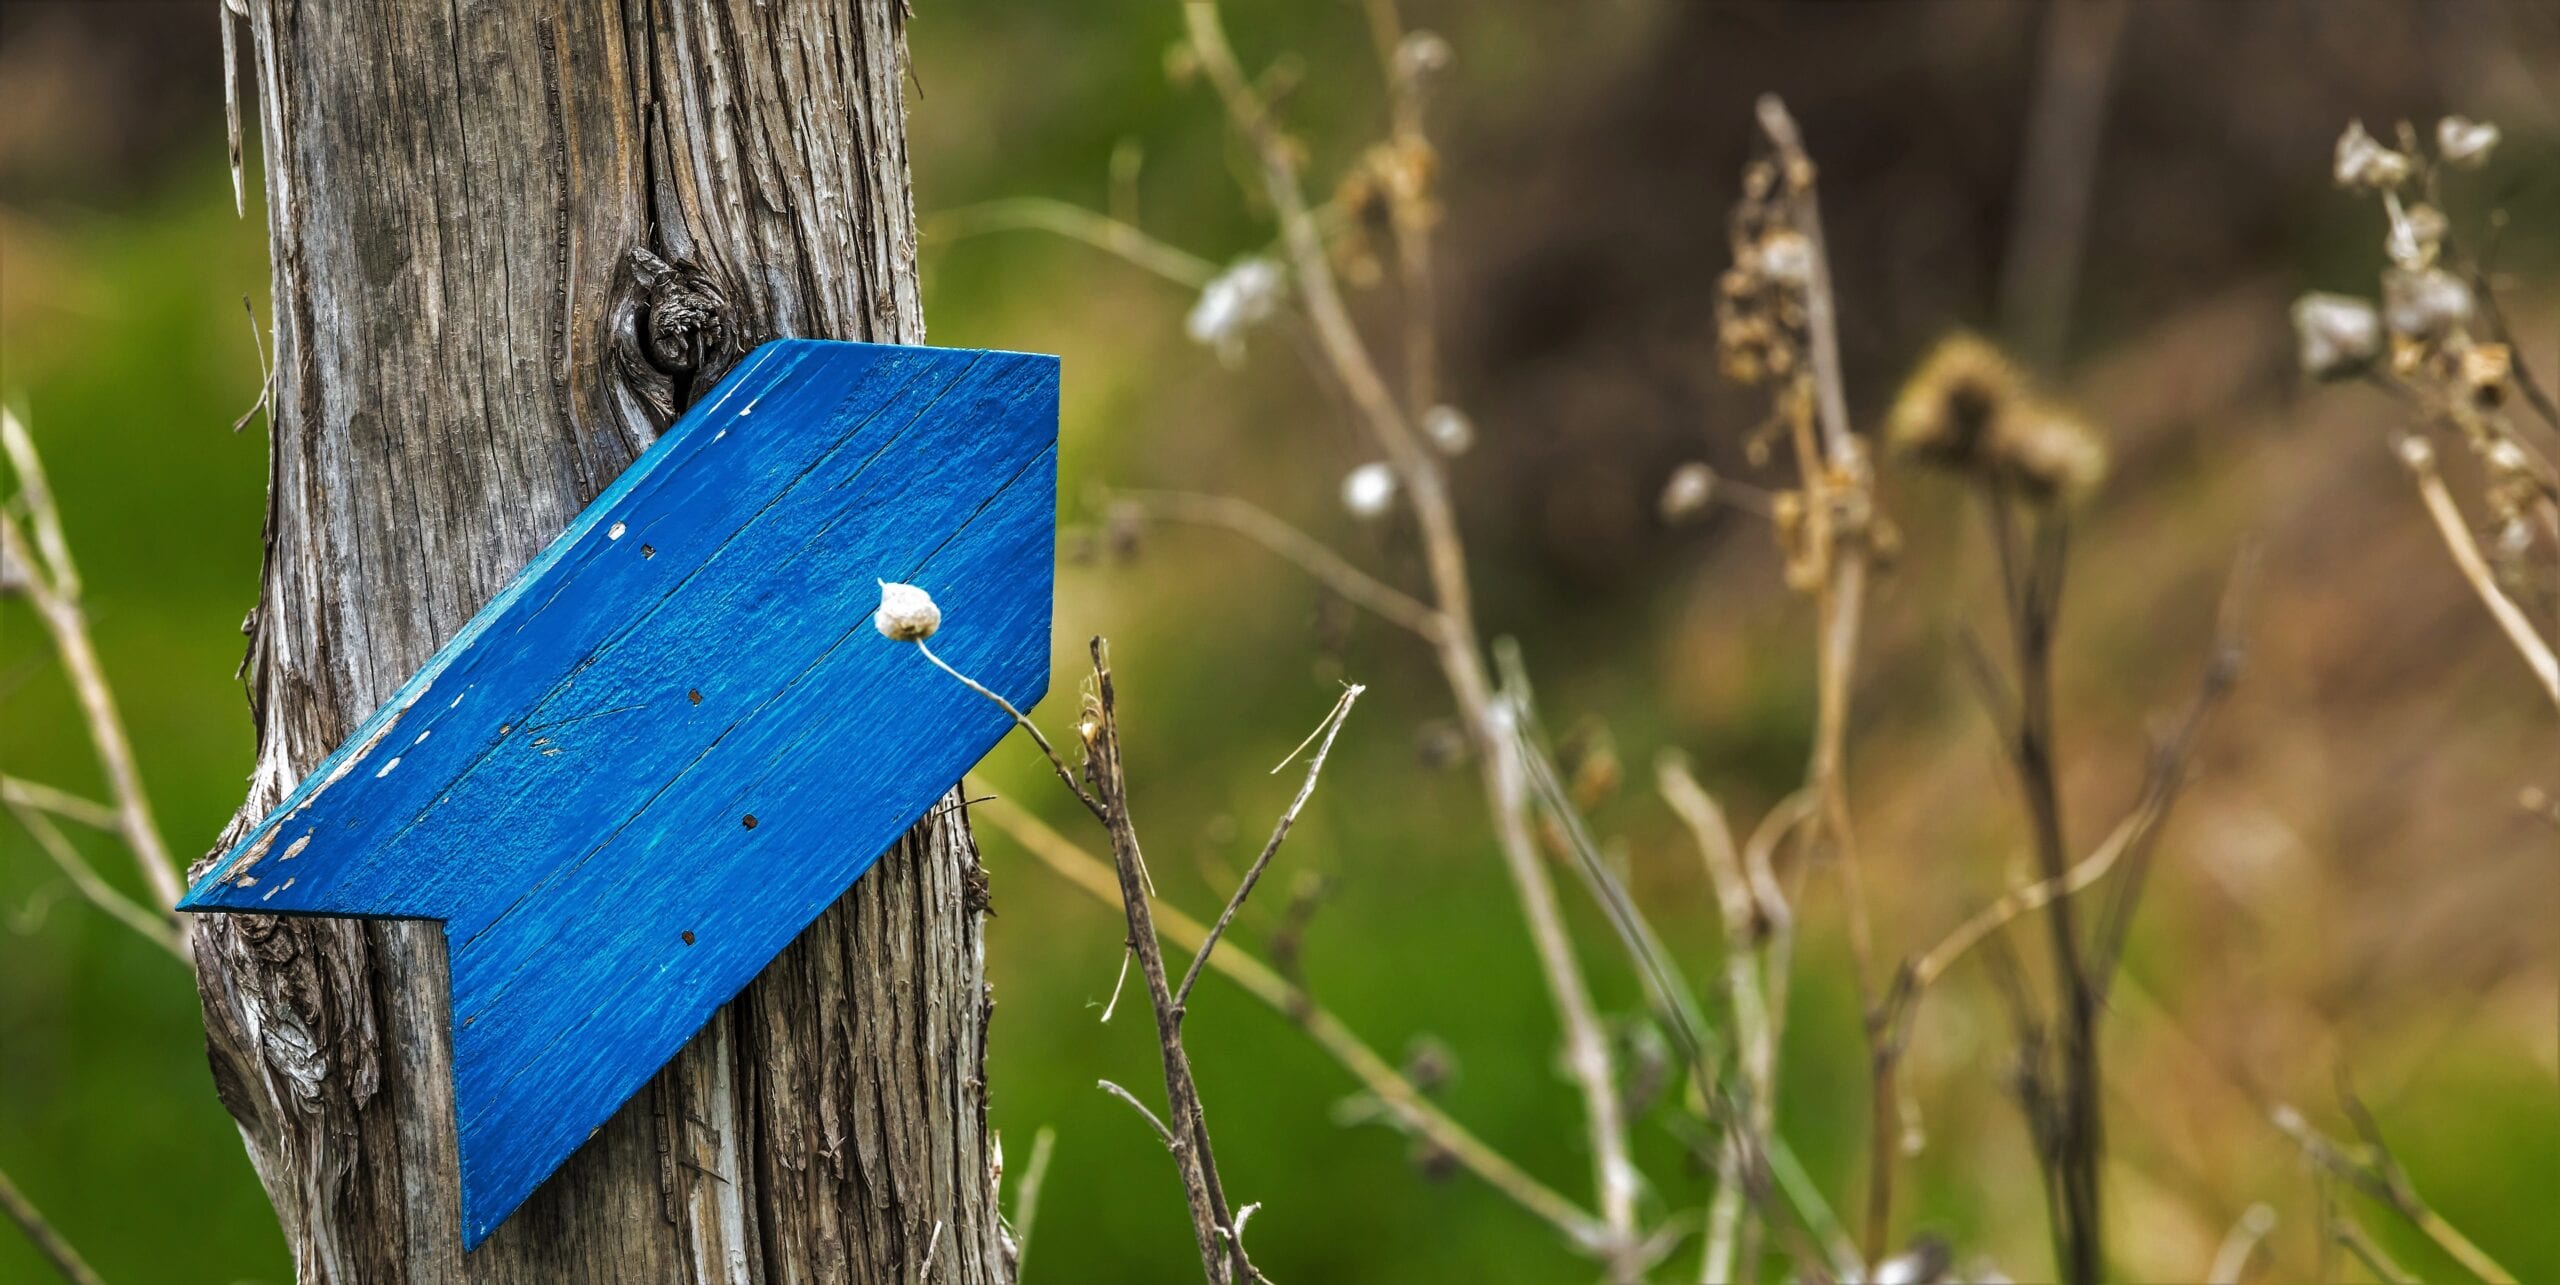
{"type": "Point", "coordinates": [675, 738]}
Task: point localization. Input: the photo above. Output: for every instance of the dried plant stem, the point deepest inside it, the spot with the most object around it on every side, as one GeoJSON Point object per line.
{"type": "Point", "coordinates": [1026, 1196]}
{"type": "Point", "coordinates": [2529, 642]}
{"type": "Point", "coordinates": [2070, 1127]}
{"type": "Point", "coordinates": [1839, 502]}
{"type": "Point", "coordinates": [1222, 1253]}
{"type": "Point", "coordinates": [154, 928]}
{"type": "Point", "coordinates": [1378, 1076]}
{"type": "Point", "coordinates": [1305, 551]}
{"type": "Point", "coordinates": [62, 803]}
{"type": "Point", "coordinates": [1410, 209]}
{"type": "Point", "coordinates": [1457, 643]}
{"type": "Point", "coordinates": [2379, 1175]}
{"type": "Point", "coordinates": [1041, 214]}
{"type": "Point", "coordinates": [2041, 271]}
{"type": "Point", "coordinates": [52, 584]}
{"type": "Point", "coordinates": [1023, 721]}
{"type": "Point", "coordinates": [2240, 1245]}
{"type": "Point", "coordinates": [48, 1242]}
{"type": "Point", "coordinates": [1331, 727]}
{"type": "Point", "coordinates": [1758, 927]}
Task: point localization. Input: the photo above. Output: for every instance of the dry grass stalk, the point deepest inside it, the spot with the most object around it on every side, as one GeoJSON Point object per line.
{"type": "Point", "coordinates": [35, 561]}
{"type": "Point", "coordinates": [56, 1251]}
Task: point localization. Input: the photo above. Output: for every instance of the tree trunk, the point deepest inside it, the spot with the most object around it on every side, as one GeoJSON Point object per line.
{"type": "Point", "coordinates": [512, 240]}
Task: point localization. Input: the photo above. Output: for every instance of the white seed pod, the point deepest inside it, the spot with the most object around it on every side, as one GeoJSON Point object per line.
{"type": "Point", "coordinates": [1449, 429]}
{"type": "Point", "coordinates": [1786, 257]}
{"type": "Point", "coordinates": [2464, 142]}
{"type": "Point", "coordinates": [2362, 161]}
{"type": "Point", "coordinates": [1235, 301]}
{"type": "Point", "coordinates": [2425, 305]}
{"type": "Point", "coordinates": [1421, 53]}
{"type": "Point", "coordinates": [2507, 462]}
{"type": "Point", "coordinates": [2337, 335]}
{"type": "Point", "coordinates": [906, 613]}
{"type": "Point", "coordinates": [1369, 490]}
{"type": "Point", "coordinates": [1691, 488]}
{"type": "Point", "coordinates": [2415, 237]}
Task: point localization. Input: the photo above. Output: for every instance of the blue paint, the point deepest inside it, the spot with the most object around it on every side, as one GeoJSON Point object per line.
{"type": "Point", "coordinates": [675, 738]}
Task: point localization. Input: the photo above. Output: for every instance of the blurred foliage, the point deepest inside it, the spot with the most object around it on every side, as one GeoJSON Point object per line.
{"type": "Point", "coordinates": [2346, 885]}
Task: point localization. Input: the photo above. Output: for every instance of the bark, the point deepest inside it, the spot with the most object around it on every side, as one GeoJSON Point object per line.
{"type": "Point", "coordinates": [511, 241]}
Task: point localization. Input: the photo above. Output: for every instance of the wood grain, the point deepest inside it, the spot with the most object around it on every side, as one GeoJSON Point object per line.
{"type": "Point", "coordinates": [674, 739]}
{"type": "Point", "coordinates": [511, 242]}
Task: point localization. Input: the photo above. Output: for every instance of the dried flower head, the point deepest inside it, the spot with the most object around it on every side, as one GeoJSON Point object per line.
{"type": "Point", "coordinates": [2337, 335]}
{"type": "Point", "coordinates": [2464, 142]}
{"type": "Point", "coordinates": [2050, 453]}
{"type": "Point", "coordinates": [1948, 408]}
{"type": "Point", "coordinates": [1369, 490]}
{"type": "Point", "coordinates": [906, 613]}
{"type": "Point", "coordinates": [2485, 370]}
{"type": "Point", "coordinates": [1238, 299]}
{"type": "Point", "coordinates": [2363, 162]}
{"type": "Point", "coordinates": [1968, 408]}
{"type": "Point", "coordinates": [1449, 429]}
{"type": "Point", "coordinates": [2415, 237]}
{"type": "Point", "coordinates": [1691, 488]}
{"type": "Point", "coordinates": [2425, 305]}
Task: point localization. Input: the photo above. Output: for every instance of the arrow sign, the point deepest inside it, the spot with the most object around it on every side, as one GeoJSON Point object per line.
{"type": "Point", "coordinates": [673, 740]}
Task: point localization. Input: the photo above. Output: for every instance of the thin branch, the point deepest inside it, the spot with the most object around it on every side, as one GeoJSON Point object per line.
{"type": "Point", "coordinates": [2382, 1178]}
{"type": "Point", "coordinates": [2041, 271]}
{"type": "Point", "coordinates": [1376, 1074]}
{"type": "Point", "coordinates": [1588, 1057]}
{"type": "Point", "coordinates": [1309, 554]}
{"type": "Point", "coordinates": [1164, 1134]}
{"type": "Point", "coordinates": [156, 929]}
{"type": "Point", "coordinates": [62, 803]}
{"type": "Point", "coordinates": [2420, 457]}
{"type": "Point", "coordinates": [1839, 502]}
{"type": "Point", "coordinates": [2240, 1245]}
{"type": "Point", "coordinates": [1026, 1196]}
{"type": "Point", "coordinates": [53, 585]}
{"type": "Point", "coordinates": [48, 1242]}
{"type": "Point", "coordinates": [1022, 720]}
{"type": "Point", "coordinates": [1041, 214]}
{"type": "Point", "coordinates": [1330, 727]}
{"type": "Point", "coordinates": [1212, 1221]}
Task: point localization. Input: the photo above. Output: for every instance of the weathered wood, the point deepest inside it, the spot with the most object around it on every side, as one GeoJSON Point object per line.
{"type": "Point", "coordinates": [675, 739]}
{"type": "Point", "coordinates": [510, 241]}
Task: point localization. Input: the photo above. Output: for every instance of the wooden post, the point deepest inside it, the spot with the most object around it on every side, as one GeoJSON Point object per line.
{"type": "Point", "coordinates": [511, 241]}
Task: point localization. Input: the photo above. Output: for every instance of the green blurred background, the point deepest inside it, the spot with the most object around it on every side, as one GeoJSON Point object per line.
{"type": "Point", "coordinates": [2349, 883]}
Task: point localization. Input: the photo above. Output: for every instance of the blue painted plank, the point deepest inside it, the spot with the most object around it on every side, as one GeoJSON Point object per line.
{"type": "Point", "coordinates": [674, 739]}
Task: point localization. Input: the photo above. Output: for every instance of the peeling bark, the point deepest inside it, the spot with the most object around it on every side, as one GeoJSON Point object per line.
{"type": "Point", "coordinates": [511, 241]}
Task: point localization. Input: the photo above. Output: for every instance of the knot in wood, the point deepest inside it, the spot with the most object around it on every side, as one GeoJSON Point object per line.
{"type": "Point", "coordinates": [686, 325]}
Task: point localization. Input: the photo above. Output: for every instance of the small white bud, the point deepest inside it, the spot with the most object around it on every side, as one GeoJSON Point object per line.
{"type": "Point", "coordinates": [2416, 452]}
{"type": "Point", "coordinates": [1691, 489]}
{"type": "Point", "coordinates": [1449, 429]}
{"type": "Point", "coordinates": [1421, 53]}
{"type": "Point", "coordinates": [1787, 258]}
{"type": "Point", "coordinates": [2414, 237]}
{"type": "Point", "coordinates": [1368, 490]}
{"type": "Point", "coordinates": [2338, 335]}
{"type": "Point", "coordinates": [2464, 142]}
{"type": "Point", "coordinates": [2425, 305]}
{"type": "Point", "coordinates": [2507, 462]}
{"type": "Point", "coordinates": [1235, 301]}
{"type": "Point", "coordinates": [906, 613]}
{"type": "Point", "coordinates": [2362, 161]}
